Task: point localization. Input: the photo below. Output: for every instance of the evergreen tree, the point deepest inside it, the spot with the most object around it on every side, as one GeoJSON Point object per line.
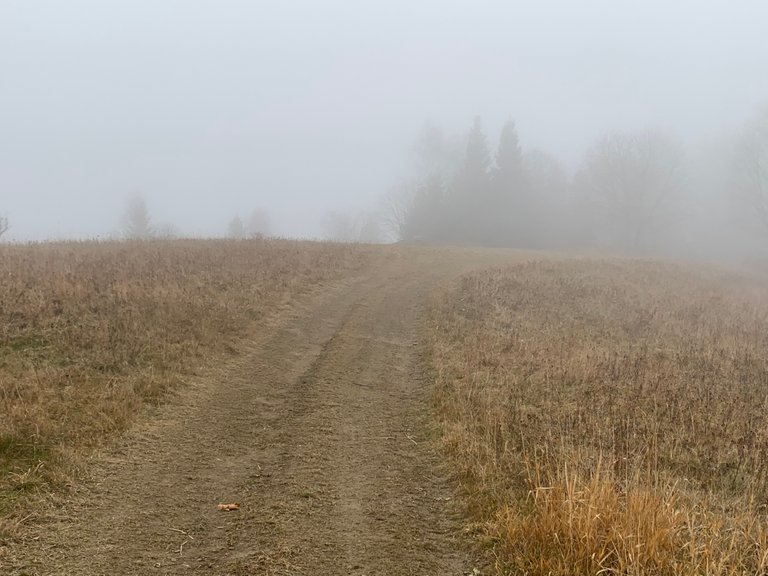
{"type": "Point", "coordinates": [477, 161]}
{"type": "Point", "coordinates": [509, 156]}
{"type": "Point", "coordinates": [427, 220]}
{"type": "Point", "coordinates": [419, 209]}
{"type": "Point", "coordinates": [508, 215]}
{"type": "Point", "coordinates": [236, 228]}
{"type": "Point", "coordinates": [137, 224]}
{"type": "Point", "coordinates": [469, 209]}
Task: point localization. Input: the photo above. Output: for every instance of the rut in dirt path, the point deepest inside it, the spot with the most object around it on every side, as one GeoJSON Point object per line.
{"type": "Point", "coordinates": [321, 430]}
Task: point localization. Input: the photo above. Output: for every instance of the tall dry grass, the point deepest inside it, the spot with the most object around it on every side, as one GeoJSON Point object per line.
{"type": "Point", "coordinates": [91, 332]}
{"type": "Point", "coordinates": [609, 417]}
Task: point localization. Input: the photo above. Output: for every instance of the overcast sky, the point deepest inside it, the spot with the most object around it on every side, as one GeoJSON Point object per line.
{"type": "Point", "coordinates": [213, 108]}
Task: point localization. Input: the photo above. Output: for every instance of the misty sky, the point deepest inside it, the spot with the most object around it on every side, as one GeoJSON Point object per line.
{"type": "Point", "coordinates": [213, 108]}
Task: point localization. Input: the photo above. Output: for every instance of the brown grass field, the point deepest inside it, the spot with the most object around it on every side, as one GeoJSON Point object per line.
{"type": "Point", "coordinates": [605, 416]}
{"type": "Point", "coordinates": [609, 417]}
{"type": "Point", "coordinates": [91, 332]}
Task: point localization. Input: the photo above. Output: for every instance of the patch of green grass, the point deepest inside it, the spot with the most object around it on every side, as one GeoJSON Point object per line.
{"type": "Point", "coordinates": [22, 474]}
{"type": "Point", "coordinates": [21, 469]}
{"type": "Point", "coordinates": [13, 449]}
{"type": "Point", "coordinates": [22, 343]}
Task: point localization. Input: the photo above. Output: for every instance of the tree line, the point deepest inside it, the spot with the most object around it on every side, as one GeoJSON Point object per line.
{"type": "Point", "coordinates": [634, 191]}
{"type": "Point", "coordinates": [639, 192]}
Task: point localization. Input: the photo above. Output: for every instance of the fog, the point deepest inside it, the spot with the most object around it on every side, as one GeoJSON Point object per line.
{"type": "Point", "coordinates": [308, 111]}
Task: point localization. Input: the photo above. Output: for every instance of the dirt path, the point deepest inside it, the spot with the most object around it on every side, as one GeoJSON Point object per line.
{"type": "Point", "coordinates": [320, 429]}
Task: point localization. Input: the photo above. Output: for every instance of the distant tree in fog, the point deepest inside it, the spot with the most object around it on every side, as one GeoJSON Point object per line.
{"type": "Point", "coordinates": [751, 168]}
{"type": "Point", "coordinates": [428, 213]}
{"type": "Point", "coordinates": [630, 186]}
{"type": "Point", "coordinates": [137, 223]}
{"type": "Point", "coordinates": [347, 227]}
{"type": "Point", "coordinates": [544, 176]}
{"type": "Point", "coordinates": [259, 224]}
{"type": "Point", "coordinates": [476, 197]}
{"type": "Point", "coordinates": [4, 225]}
{"type": "Point", "coordinates": [339, 227]}
{"type": "Point", "coordinates": [434, 155]}
{"type": "Point", "coordinates": [371, 231]}
{"type": "Point", "coordinates": [236, 228]}
{"type": "Point", "coordinates": [167, 231]}
{"type": "Point", "coordinates": [477, 160]}
{"type": "Point", "coordinates": [544, 200]}
{"type": "Point", "coordinates": [396, 206]}
{"type": "Point", "coordinates": [418, 210]}
{"type": "Point", "coordinates": [470, 194]}
{"type": "Point", "coordinates": [509, 155]}
{"type": "Point", "coordinates": [509, 217]}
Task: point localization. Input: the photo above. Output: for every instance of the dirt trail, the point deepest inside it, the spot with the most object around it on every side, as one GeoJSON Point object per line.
{"type": "Point", "coordinates": [320, 429]}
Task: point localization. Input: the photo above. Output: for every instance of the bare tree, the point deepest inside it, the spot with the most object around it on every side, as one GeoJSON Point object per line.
{"type": "Point", "coordinates": [630, 184]}
{"type": "Point", "coordinates": [751, 168]}
{"type": "Point", "coordinates": [396, 205]}
{"type": "Point", "coordinates": [137, 224]}
{"type": "Point", "coordinates": [4, 225]}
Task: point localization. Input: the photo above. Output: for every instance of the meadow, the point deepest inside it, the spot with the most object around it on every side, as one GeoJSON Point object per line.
{"type": "Point", "coordinates": [92, 333]}
{"type": "Point", "coordinates": [604, 416]}
{"type": "Point", "coordinates": [608, 416]}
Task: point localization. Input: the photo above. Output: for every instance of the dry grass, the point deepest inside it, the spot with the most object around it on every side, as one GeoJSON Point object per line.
{"type": "Point", "coordinates": [609, 417]}
{"type": "Point", "coordinates": [91, 332]}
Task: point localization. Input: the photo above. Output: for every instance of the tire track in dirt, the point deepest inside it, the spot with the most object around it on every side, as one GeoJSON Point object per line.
{"type": "Point", "coordinates": [320, 428]}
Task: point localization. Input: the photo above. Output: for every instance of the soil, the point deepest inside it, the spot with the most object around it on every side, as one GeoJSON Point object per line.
{"type": "Point", "coordinates": [320, 428]}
